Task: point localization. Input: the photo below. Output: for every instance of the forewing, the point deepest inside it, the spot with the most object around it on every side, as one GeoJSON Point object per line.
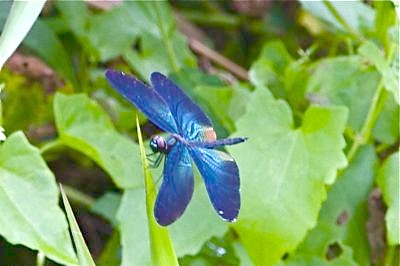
{"type": "Point", "coordinates": [177, 187]}
{"type": "Point", "coordinates": [191, 120]}
{"type": "Point", "coordinates": [145, 99]}
{"type": "Point", "coordinates": [221, 176]}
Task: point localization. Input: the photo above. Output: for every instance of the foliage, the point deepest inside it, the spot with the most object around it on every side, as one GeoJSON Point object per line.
{"type": "Point", "coordinates": [320, 107]}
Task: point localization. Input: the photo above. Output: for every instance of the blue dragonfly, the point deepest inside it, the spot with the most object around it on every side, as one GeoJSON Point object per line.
{"type": "Point", "coordinates": [191, 136]}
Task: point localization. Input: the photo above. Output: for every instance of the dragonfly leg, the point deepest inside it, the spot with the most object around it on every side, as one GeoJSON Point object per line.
{"type": "Point", "coordinates": [158, 179]}
{"type": "Point", "coordinates": [155, 163]}
{"type": "Point", "coordinates": [150, 154]}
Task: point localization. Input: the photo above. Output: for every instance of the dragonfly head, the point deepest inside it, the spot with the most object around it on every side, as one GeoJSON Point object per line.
{"type": "Point", "coordinates": [158, 144]}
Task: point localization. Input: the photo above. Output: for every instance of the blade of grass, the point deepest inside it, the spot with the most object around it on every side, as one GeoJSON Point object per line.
{"type": "Point", "coordinates": [21, 17]}
{"type": "Point", "coordinates": [162, 251]}
{"type": "Point", "coordinates": [84, 256]}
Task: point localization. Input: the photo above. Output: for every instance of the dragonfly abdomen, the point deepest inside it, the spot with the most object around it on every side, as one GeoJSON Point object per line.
{"type": "Point", "coordinates": [218, 142]}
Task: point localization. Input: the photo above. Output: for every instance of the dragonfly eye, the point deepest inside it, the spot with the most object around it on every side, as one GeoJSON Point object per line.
{"type": "Point", "coordinates": [153, 145]}
{"type": "Point", "coordinates": [158, 144]}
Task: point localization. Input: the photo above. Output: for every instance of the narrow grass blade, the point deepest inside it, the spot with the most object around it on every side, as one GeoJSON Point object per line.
{"type": "Point", "coordinates": [162, 251]}
{"type": "Point", "coordinates": [84, 257]}
{"type": "Point", "coordinates": [21, 17]}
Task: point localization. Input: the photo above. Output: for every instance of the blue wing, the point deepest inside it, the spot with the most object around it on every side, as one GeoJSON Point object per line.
{"type": "Point", "coordinates": [145, 99]}
{"type": "Point", "coordinates": [191, 120]}
{"type": "Point", "coordinates": [177, 187]}
{"type": "Point", "coordinates": [221, 176]}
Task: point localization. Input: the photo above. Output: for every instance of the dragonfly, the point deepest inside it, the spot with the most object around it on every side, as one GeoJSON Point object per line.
{"type": "Point", "coordinates": [190, 137]}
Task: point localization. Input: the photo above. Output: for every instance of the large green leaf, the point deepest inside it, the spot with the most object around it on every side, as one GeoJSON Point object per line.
{"type": "Point", "coordinates": [343, 217]}
{"type": "Point", "coordinates": [386, 129]}
{"type": "Point", "coordinates": [350, 17]}
{"type": "Point", "coordinates": [29, 202]}
{"type": "Point", "coordinates": [284, 172]}
{"type": "Point", "coordinates": [225, 103]}
{"type": "Point", "coordinates": [160, 47]}
{"type": "Point", "coordinates": [85, 127]}
{"type": "Point", "coordinates": [388, 181]}
{"type": "Point", "coordinates": [188, 233]}
{"type": "Point", "coordinates": [75, 14]}
{"type": "Point", "coordinates": [44, 42]}
{"type": "Point", "coordinates": [341, 81]}
{"type": "Point", "coordinates": [21, 17]}
{"type": "Point", "coordinates": [111, 43]}
{"type": "Point", "coordinates": [269, 68]}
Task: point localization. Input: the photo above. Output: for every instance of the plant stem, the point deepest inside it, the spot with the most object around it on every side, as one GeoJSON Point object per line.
{"type": "Point", "coordinates": [166, 40]}
{"type": "Point", "coordinates": [51, 145]}
{"type": "Point", "coordinates": [374, 109]}
{"type": "Point", "coordinates": [341, 20]}
{"type": "Point", "coordinates": [78, 196]}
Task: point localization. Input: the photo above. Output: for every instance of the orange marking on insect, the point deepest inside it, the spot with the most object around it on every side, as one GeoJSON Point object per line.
{"type": "Point", "coordinates": [209, 134]}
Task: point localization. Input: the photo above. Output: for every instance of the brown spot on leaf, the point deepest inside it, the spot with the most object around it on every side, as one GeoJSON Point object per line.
{"type": "Point", "coordinates": [342, 218]}
{"type": "Point", "coordinates": [333, 251]}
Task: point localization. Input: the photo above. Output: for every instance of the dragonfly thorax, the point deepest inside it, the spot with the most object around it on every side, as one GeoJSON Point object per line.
{"type": "Point", "coordinates": [159, 144]}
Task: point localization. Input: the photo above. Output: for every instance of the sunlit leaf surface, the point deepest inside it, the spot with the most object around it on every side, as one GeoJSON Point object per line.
{"type": "Point", "coordinates": [342, 218]}
{"type": "Point", "coordinates": [284, 171]}
{"type": "Point", "coordinates": [29, 202]}
{"type": "Point", "coordinates": [388, 181]}
{"type": "Point", "coordinates": [85, 127]}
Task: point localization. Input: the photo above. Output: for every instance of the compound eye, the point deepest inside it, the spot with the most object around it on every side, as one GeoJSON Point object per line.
{"type": "Point", "coordinates": [154, 145]}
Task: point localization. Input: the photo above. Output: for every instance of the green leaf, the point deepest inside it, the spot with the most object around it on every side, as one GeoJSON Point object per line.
{"type": "Point", "coordinates": [388, 182]}
{"type": "Point", "coordinates": [370, 51]}
{"type": "Point", "coordinates": [152, 55]}
{"type": "Point", "coordinates": [85, 127]}
{"type": "Point", "coordinates": [162, 251]}
{"type": "Point", "coordinates": [384, 19]}
{"type": "Point", "coordinates": [111, 43]}
{"type": "Point", "coordinates": [345, 258]}
{"type": "Point", "coordinates": [349, 17]}
{"type": "Point", "coordinates": [225, 104]}
{"type": "Point", "coordinates": [5, 7]}
{"type": "Point", "coordinates": [269, 68]}
{"type": "Point", "coordinates": [284, 178]}
{"type": "Point", "coordinates": [29, 202]}
{"type": "Point", "coordinates": [133, 227]}
{"type": "Point", "coordinates": [188, 235]}
{"type": "Point", "coordinates": [44, 42]}
{"type": "Point", "coordinates": [21, 17]}
{"type": "Point", "coordinates": [75, 14]}
{"type": "Point", "coordinates": [111, 253]}
{"type": "Point", "coordinates": [160, 47]}
{"type": "Point", "coordinates": [84, 256]}
{"type": "Point", "coordinates": [386, 129]}
{"type": "Point", "coordinates": [107, 206]}
{"type": "Point", "coordinates": [341, 81]}
{"type": "Point", "coordinates": [343, 216]}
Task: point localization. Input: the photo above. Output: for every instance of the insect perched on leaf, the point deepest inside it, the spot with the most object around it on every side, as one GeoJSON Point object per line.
{"type": "Point", "coordinates": [191, 137]}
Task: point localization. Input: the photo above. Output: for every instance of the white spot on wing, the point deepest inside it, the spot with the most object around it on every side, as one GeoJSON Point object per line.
{"type": "Point", "coordinates": [224, 156]}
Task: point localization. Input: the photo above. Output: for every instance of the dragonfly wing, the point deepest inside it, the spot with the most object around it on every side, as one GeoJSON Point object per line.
{"type": "Point", "coordinates": [191, 120]}
{"type": "Point", "coordinates": [221, 176]}
{"type": "Point", "coordinates": [145, 99]}
{"type": "Point", "coordinates": [177, 187]}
